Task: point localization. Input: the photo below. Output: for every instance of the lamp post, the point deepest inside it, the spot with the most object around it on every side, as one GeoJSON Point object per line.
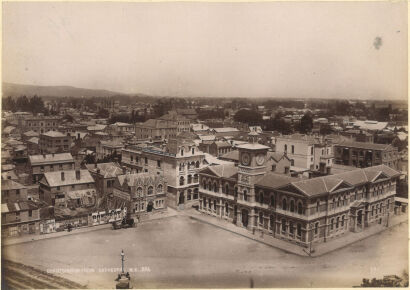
{"type": "Point", "coordinates": [122, 261]}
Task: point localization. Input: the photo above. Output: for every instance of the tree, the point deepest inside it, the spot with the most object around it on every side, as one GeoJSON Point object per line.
{"type": "Point", "coordinates": [306, 124]}
{"type": "Point", "coordinates": [250, 117]}
{"type": "Point", "coordinates": [9, 104]}
{"type": "Point", "coordinates": [103, 113]}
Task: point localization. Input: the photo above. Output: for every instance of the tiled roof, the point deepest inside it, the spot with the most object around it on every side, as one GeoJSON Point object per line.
{"type": "Point", "coordinates": [50, 158]}
{"type": "Point", "coordinates": [138, 178]}
{"type": "Point", "coordinates": [274, 180]}
{"type": "Point", "coordinates": [54, 178]}
{"type": "Point", "coordinates": [364, 145]}
{"type": "Point", "coordinates": [224, 170]}
{"type": "Point", "coordinates": [233, 155]}
{"type": "Point", "coordinates": [108, 170]}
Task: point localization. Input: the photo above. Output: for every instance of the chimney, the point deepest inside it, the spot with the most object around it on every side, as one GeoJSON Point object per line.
{"type": "Point", "coordinates": [78, 174]}
{"type": "Point", "coordinates": [62, 176]}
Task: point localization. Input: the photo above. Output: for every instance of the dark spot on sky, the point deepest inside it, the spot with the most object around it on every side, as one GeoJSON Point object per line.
{"type": "Point", "coordinates": [377, 43]}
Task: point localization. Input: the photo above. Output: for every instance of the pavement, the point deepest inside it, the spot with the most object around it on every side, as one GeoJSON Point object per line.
{"type": "Point", "coordinates": [30, 238]}
{"type": "Point", "coordinates": [318, 249]}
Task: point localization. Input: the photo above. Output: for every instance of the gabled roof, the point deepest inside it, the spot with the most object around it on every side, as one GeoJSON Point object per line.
{"type": "Point", "coordinates": [274, 180]}
{"type": "Point", "coordinates": [50, 158]}
{"type": "Point", "coordinates": [33, 140]}
{"type": "Point", "coordinates": [222, 170]}
{"type": "Point", "coordinates": [277, 156]}
{"type": "Point", "coordinates": [53, 179]}
{"type": "Point", "coordinates": [9, 175]}
{"type": "Point", "coordinates": [9, 184]}
{"type": "Point", "coordinates": [141, 178]}
{"type": "Point", "coordinates": [18, 206]}
{"type": "Point", "coordinates": [107, 170]}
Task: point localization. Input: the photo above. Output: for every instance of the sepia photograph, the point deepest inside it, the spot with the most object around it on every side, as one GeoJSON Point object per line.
{"type": "Point", "coordinates": [213, 145]}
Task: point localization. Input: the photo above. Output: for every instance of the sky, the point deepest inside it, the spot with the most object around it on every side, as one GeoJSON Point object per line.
{"type": "Point", "coordinates": [265, 49]}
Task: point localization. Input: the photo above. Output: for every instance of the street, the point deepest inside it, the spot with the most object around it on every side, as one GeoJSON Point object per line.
{"type": "Point", "coordinates": [183, 253]}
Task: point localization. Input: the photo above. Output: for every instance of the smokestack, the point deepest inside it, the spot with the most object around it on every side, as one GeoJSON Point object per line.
{"type": "Point", "coordinates": [78, 174]}
{"type": "Point", "coordinates": [62, 176]}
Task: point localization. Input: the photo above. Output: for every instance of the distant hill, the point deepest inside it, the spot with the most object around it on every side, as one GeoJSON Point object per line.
{"type": "Point", "coordinates": [16, 90]}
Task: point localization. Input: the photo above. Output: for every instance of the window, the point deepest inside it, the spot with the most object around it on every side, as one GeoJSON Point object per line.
{"type": "Point", "coordinates": [245, 195]}
{"type": "Point", "coordinates": [272, 222]}
{"type": "Point", "coordinates": [150, 190]}
{"type": "Point", "coordinates": [293, 149]}
{"type": "Point", "coordinates": [197, 164]}
{"type": "Point", "coordinates": [291, 230]}
{"type": "Point", "coordinates": [226, 209]}
{"type": "Point", "coordinates": [285, 148]}
{"type": "Point", "coordinates": [292, 206]}
{"type": "Point", "coordinates": [226, 189]}
{"type": "Point", "coordinates": [284, 205]}
{"type": "Point", "coordinates": [159, 188]}
{"type": "Point", "coordinates": [261, 218]}
{"type": "Point", "coordinates": [284, 225]}
{"type": "Point", "coordinates": [146, 160]}
{"type": "Point", "coordinates": [272, 200]}
{"type": "Point", "coordinates": [337, 222]}
{"type": "Point", "coordinates": [261, 197]}
{"type": "Point", "coordinates": [343, 221]}
{"type": "Point", "coordinates": [181, 180]}
{"type": "Point", "coordinates": [215, 187]}
{"type": "Point", "coordinates": [292, 162]}
{"type": "Point", "coordinates": [318, 206]}
{"type": "Point", "coordinates": [332, 221]}
{"type": "Point", "coordinates": [300, 208]}
{"type": "Point", "coordinates": [204, 184]}
{"type": "Point", "coordinates": [30, 213]}
{"type": "Point", "coordinates": [316, 228]}
{"type": "Point", "coordinates": [189, 179]}
{"type": "Point", "coordinates": [139, 192]}
{"type": "Point", "coordinates": [158, 163]}
{"type": "Point", "coordinates": [193, 150]}
{"type": "Point", "coordinates": [299, 230]}
{"type": "Point", "coordinates": [182, 152]}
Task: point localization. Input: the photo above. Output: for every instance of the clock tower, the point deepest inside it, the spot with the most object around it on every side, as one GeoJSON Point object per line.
{"type": "Point", "coordinates": [252, 165]}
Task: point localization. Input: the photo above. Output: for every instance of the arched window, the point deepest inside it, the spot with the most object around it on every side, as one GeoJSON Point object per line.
{"type": "Point", "coordinates": [283, 225]}
{"type": "Point", "coordinates": [261, 218]}
{"type": "Point", "coordinates": [318, 205]}
{"type": "Point", "coordinates": [195, 178]}
{"type": "Point", "coordinates": [215, 187]}
{"type": "Point", "coordinates": [337, 222]}
{"type": "Point", "coordinates": [316, 228]}
{"type": "Point", "coordinates": [226, 188]}
{"type": "Point", "coordinates": [150, 190]}
{"type": "Point", "coordinates": [299, 230]}
{"type": "Point", "coordinates": [343, 220]}
{"type": "Point", "coordinates": [226, 209]}
{"type": "Point", "coordinates": [332, 222]}
{"type": "Point", "coordinates": [245, 195]}
{"type": "Point", "coordinates": [272, 222]}
{"type": "Point", "coordinates": [209, 204]}
{"type": "Point", "coordinates": [292, 205]}
{"type": "Point", "coordinates": [261, 197]}
{"type": "Point", "coordinates": [189, 179]}
{"type": "Point", "coordinates": [236, 191]}
{"type": "Point", "coordinates": [372, 210]}
{"type": "Point", "coordinates": [214, 205]}
{"type": "Point", "coordinates": [197, 164]}
{"type": "Point", "coordinates": [272, 200]}
{"type": "Point", "coordinates": [139, 191]}
{"type": "Point", "coordinates": [181, 180]}
{"type": "Point", "coordinates": [204, 201]}
{"type": "Point", "coordinates": [182, 151]}
{"type": "Point", "coordinates": [300, 208]}
{"type": "Point", "coordinates": [204, 184]}
{"type": "Point", "coordinates": [159, 188]}
{"type": "Point", "coordinates": [291, 227]}
{"type": "Point", "coordinates": [284, 205]}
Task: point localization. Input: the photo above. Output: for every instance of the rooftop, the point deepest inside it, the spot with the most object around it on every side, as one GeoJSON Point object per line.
{"type": "Point", "coordinates": [364, 145]}
{"type": "Point", "coordinates": [53, 134]}
{"type": "Point", "coordinates": [50, 158]}
{"type": "Point", "coordinates": [55, 178]}
{"type": "Point", "coordinates": [107, 170]}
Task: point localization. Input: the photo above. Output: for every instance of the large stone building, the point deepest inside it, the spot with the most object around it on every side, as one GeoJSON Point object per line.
{"type": "Point", "coordinates": [104, 175]}
{"type": "Point", "coordinates": [142, 192]}
{"type": "Point", "coordinates": [54, 142]}
{"type": "Point", "coordinates": [300, 211]}
{"type": "Point", "coordinates": [156, 130]}
{"type": "Point", "coordinates": [40, 164]}
{"type": "Point", "coordinates": [179, 161]}
{"type": "Point", "coordinates": [361, 154]}
{"type": "Point", "coordinates": [41, 124]}
{"type": "Point", "coordinates": [55, 187]}
{"type": "Point", "coordinates": [306, 152]}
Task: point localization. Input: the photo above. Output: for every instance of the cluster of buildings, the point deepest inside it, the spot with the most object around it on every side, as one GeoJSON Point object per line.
{"type": "Point", "coordinates": [300, 188]}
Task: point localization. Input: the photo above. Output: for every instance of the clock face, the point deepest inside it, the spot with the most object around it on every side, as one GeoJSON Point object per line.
{"type": "Point", "coordinates": [260, 158]}
{"type": "Point", "coordinates": [245, 159]}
